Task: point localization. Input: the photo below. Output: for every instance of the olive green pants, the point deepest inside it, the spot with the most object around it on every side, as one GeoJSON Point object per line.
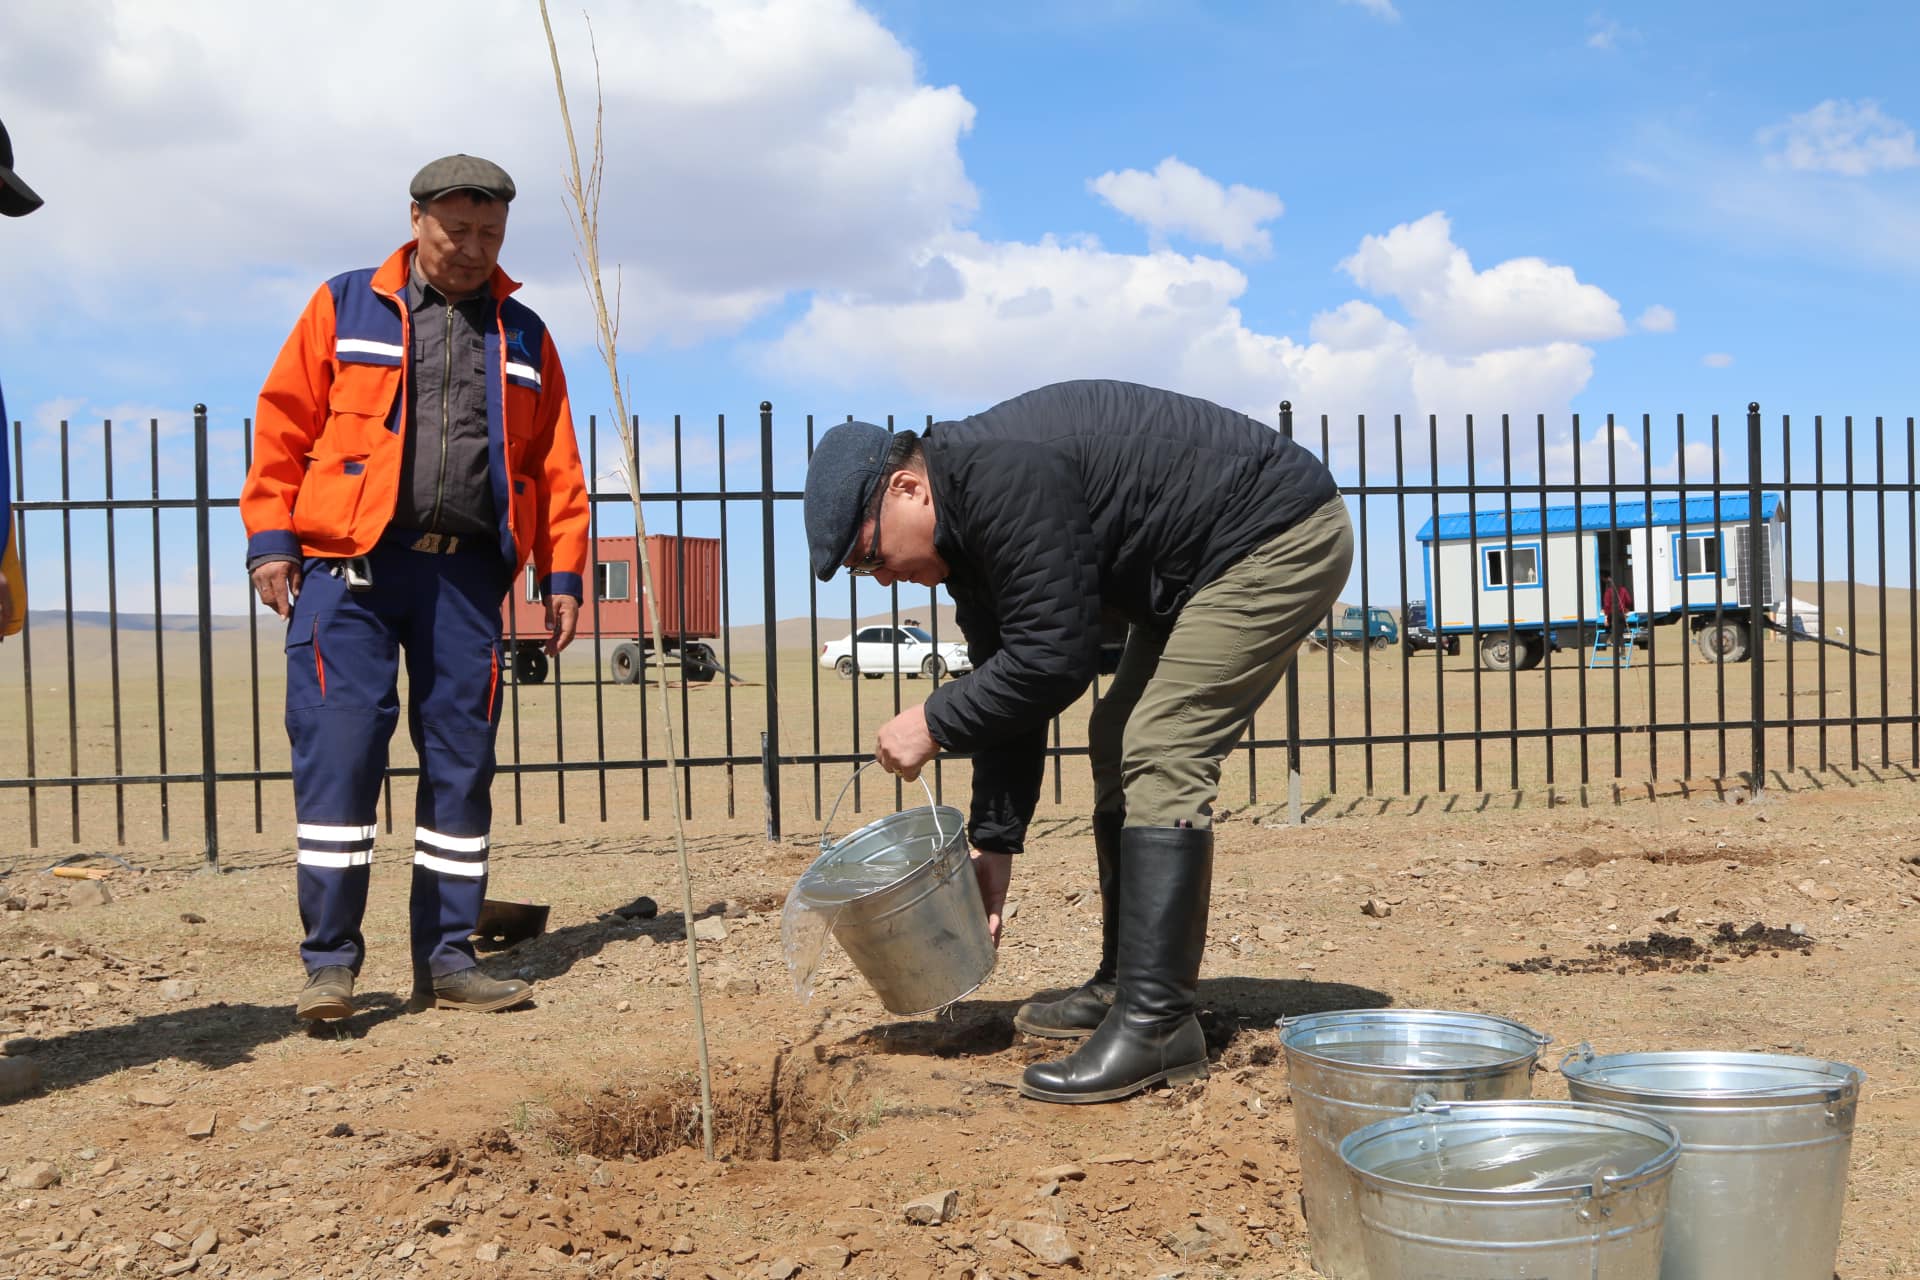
{"type": "Point", "coordinates": [1182, 698]}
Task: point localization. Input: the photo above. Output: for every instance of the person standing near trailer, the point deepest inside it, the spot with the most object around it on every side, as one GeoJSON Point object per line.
{"type": "Point", "coordinates": [1616, 602]}
{"type": "Point", "coordinates": [17, 200]}
{"type": "Point", "coordinates": [1220, 541]}
{"type": "Point", "coordinates": [413, 449]}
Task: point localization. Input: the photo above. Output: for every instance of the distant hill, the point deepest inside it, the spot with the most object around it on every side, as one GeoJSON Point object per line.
{"type": "Point", "coordinates": [54, 619]}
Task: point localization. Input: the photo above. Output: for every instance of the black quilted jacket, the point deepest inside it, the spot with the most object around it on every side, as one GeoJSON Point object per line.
{"type": "Point", "coordinates": [1067, 501]}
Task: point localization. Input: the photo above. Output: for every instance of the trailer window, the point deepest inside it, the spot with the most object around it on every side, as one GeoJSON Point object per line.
{"type": "Point", "coordinates": [1524, 571]}
{"type": "Point", "coordinates": [1700, 556]}
{"type": "Point", "coordinates": [612, 579]}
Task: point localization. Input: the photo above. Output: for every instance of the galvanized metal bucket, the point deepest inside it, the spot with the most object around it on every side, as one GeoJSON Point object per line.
{"type": "Point", "coordinates": [920, 936]}
{"type": "Point", "coordinates": [1352, 1067]}
{"type": "Point", "coordinates": [1762, 1178]}
{"type": "Point", "coordinates": [1512, 1191]}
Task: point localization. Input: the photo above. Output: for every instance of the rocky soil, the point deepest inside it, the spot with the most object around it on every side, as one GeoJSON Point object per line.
{"type": "Point", "coordinates": [167, 1116]}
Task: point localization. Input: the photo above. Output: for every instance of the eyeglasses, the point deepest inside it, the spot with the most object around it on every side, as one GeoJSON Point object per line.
{"type": "Point", "coordinates": [873, 561]}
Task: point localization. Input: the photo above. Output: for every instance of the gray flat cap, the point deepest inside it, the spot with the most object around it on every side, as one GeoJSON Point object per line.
{"type": "Point", "coordinates": [846, 464]}
{"type": "Point", "coordinates": [461, 173]}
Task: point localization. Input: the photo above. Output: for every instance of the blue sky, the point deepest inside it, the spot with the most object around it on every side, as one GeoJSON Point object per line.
{"type": "Point", "coordinates": [917, 207]}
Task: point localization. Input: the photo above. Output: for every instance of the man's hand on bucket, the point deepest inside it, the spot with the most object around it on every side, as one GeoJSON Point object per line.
{"type": "Point", "coordinates": [994, 871]}
{"type": "Point", "coordinates": [903, 744]}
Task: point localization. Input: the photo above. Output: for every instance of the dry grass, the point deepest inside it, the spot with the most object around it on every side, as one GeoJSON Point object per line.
{"type": "Point", "coordinates": [1354, 697]}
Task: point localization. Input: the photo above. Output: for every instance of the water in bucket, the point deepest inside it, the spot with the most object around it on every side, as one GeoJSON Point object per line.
{"type": "Point", "coordinates": [1513, 1162]}
{"type": "Point", "coordinates": [1413, 1055]}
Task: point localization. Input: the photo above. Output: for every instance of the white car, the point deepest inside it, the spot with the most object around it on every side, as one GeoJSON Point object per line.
{"type": "Point", "coordinates": [879, 651]}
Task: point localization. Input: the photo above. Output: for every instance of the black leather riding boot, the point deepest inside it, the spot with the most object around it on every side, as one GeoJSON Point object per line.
{"type": "Point", "coordinates": [1075, 1015]}
{"type": "Point", "coordinates": [1151, 1033]}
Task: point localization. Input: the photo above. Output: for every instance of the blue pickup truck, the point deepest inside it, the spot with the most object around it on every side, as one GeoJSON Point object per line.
{"type": "Point", "coordinates": [1355, 626]}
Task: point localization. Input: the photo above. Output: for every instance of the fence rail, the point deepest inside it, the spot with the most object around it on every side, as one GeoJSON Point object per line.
{"type": "Point", "coordinates": [1367, 722]}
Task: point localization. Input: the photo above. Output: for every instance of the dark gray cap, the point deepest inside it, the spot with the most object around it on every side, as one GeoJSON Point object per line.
{"type": "Point", "coordinates": [16, 198]}
{"type": "Point", "coordinates": [846, 464]}
{"type": "Point", "coordinates": [461, 173]}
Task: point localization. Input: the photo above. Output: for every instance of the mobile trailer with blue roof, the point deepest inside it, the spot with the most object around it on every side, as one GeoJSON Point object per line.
{"type": "Point", "coordinates": [1519, 581]}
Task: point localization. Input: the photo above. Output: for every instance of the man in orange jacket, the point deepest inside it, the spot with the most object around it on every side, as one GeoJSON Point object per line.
{"type": "Point", "coordinates": [412, 449]}
{"type": "Point", "coordinates": [17, 200]}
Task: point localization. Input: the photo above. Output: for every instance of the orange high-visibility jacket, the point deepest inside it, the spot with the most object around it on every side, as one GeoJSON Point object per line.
{"type": "Point", "coordinates": [327, 434]}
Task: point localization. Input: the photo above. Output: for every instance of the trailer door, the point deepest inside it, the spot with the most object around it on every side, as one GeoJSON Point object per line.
{"type": "Point", "coordinates": [1659, 594]}
{"type": "Point", "coordinates": [1641, 576]}
{"type": "Point", "coordinates": [1624, 554]}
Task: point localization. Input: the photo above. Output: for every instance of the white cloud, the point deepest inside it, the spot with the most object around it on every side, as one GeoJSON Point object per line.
{"type": "Point", "coordinates": [1841, 136]}
{"type": "Point", "coordinates": [1772, 209]}
{"type": "Point", "coordinates": [1510, 339]}
{"type": "Point", "coordinates": [1716, 360]}
{"type": "Point", "coordinates": [1382, 9]}
{"type": "Point", "coordinates": [1699, 459]}
{"type": "Point", "coordinates": [1178, 199]}
{"type": "Point", "coordinates": [1606, 453]}
{"type": "Point", "coordinates": [755, 148]}
{"type": "Point", "coordinates": [1657, 319]}
{"type": "Point", "coordinates": [758, 150]}
{"type": "Point", "coordinates": [1617, 453]}
{"type": "Point", "coordinates": [1607, 35]}
{"type": "Point", "coordinates": [1519, 302]}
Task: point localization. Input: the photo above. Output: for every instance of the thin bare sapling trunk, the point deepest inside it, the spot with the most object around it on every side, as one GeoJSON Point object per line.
{"type": "Point", "coordinates": [584, 196]}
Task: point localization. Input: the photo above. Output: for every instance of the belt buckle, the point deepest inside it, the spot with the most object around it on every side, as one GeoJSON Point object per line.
{"type": "Point", "coordinates": [435, 544]}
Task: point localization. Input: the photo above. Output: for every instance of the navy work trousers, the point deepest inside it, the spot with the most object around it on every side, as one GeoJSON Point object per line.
{"type": "Point", "coordinates": [343, 652]}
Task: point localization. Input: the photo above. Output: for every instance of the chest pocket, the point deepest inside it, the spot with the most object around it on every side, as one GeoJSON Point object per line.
{"type": "Point", "coordinates": [359, 405]}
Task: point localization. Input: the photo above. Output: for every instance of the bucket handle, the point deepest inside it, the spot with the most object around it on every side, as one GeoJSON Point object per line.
{"type": "Point", "coordinates": [1605, 1183]}
{"type": "Point", "coordinates": [1583, 1051]}
{"type": "Point", "coordinates": [940, 839]}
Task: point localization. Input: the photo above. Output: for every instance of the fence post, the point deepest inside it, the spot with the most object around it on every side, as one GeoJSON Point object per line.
{"type": "Point", "coordinates": [768, 769]}
{"type": "Point", "coordinates": [1756, 615]}
{"type": "Point", "coordinates": [209, 790]}
{"type": "Point", "coordinates": [1293, 681]}
{"type": "Point", "coordinates": [770, 744]}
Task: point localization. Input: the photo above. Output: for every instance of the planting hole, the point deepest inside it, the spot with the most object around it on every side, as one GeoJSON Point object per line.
{"type": "Point", "coordinates": [785, 1110]}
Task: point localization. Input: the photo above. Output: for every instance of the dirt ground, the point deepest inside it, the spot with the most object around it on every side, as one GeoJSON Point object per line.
{"type": "Point", "coordinates": [186, 1123]}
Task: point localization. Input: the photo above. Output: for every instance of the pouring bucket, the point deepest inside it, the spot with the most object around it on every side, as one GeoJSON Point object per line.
{"type": "Point", "coordinates": [1762, 1178]}
{"type": "Point", "coordinates": [906, 906]}
{"type": "Point", "coordinates": [1512, 1191]}
{"type": "Point", "coordinates": [1350, 1068]}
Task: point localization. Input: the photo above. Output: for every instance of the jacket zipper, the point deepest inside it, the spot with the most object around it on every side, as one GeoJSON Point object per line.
{"type": "Point", "coordinates": [499, 395]}
{"type": "Point", "coordinates": [446, 420]}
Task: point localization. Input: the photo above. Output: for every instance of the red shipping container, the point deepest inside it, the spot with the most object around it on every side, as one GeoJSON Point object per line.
{"type": "Point", "coordinates": [616, 575]}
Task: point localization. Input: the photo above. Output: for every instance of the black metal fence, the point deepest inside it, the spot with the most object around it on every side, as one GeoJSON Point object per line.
{"type": "Point", "coordinates": [1517, 708]}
